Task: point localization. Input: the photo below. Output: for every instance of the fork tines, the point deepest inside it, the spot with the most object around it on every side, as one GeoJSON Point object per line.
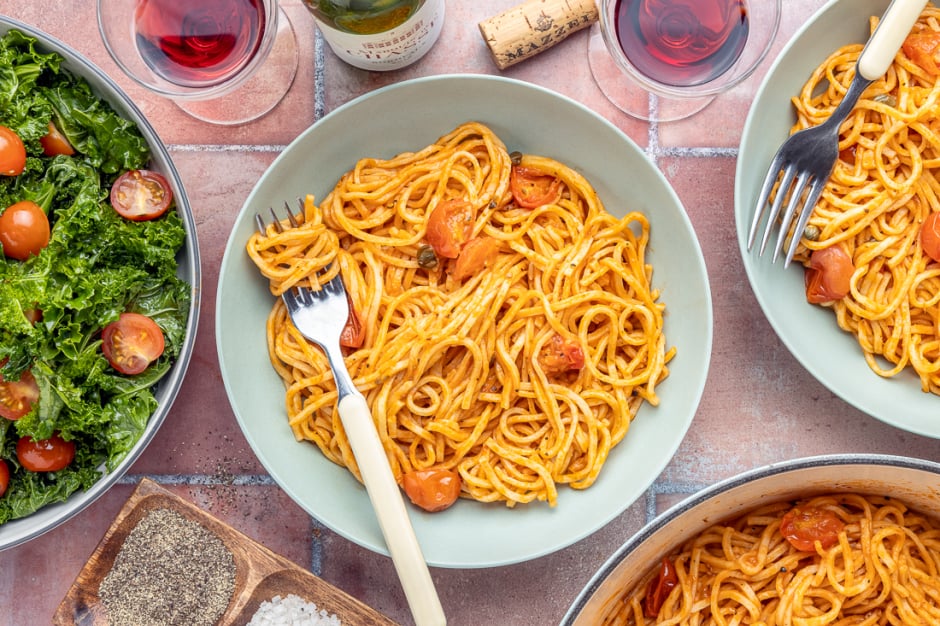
{"type": "Point", "coordinates": [800, 202]}
{"type": "Point", "coordinates": [263, 229]}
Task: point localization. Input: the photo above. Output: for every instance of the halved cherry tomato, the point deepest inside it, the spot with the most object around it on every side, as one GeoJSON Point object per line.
{"type": "Point", "coordinates": [12, 153]}
{"type": "Point", "coordinates": [533, 188]}
{"type": "Point", "coordinates": [923, 48]}
{"type": "Point", "coordinates": [4, 477]}
{"type": "Point", "coordinates": [660, 588]}
{"type": "Point", "coordinates": [803, 526]}
{"type": "Point", "coordinates": [54, 143]}
{"type": "Point", "coordinates": [561, 355]}
{"type": "Point", "coordinates": [930, 236]}
{"type": "Point", "coordinates": [848, 155]}
{"type": "Point", "coordinates": [17, 397]}
{"type": "Point", "coordinates": [432, 489]}
{"type": "Point", "coordinates": [141, 195]}
{"type": "Point", "coordinates": [45, 455]}
{"type": "Point", "coordinates": [829, 275]}
{"type": "Point", "coordinates": [477, 254]}
{"type": "Point", "coordinates": [450, 226]}
{"type": "Point", "coordinates": [24, 230]}
{"type": "Point", "coordinates": [353, 333]}
{"type": "Point", "coordinates": [132, 343]}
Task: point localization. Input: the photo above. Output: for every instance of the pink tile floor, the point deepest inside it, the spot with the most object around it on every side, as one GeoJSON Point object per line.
{"type": "Point", "coordinates": [201, 454]}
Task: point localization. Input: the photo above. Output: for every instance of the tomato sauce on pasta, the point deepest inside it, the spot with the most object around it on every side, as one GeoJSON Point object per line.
{"type": "Point", "coordinates": [841, 559]}
{"type": "Point", "coordinates": [507, 327]}
{"type": "Point", "coordinates": [876, 224]}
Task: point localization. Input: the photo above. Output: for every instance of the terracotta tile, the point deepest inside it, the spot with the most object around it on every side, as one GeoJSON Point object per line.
{"type": "Point", "coordinates": [562, 68]}
{"type": "Point", "coordinates": [52, 562]}
{"type": "Point", "coordinates": [565, 572]}
{"type": "Point", "coordinates": [201, 432]}
{"type": "Point", "coordinates": [759, 406]}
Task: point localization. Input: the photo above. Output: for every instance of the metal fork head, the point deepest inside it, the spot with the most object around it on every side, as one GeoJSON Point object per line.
{"type": "Point", "coordinates": [805, 158]}
{"type": "Point", "coordinates": [802, 164]}
{"type": "Point", "coordinates": [263, 229]}
{"type": "Point", "coordinates": [320, 313]}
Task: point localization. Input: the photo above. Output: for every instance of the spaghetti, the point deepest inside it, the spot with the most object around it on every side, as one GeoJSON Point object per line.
{"type": "Point", "coordinates": [832, 559]}
{"type": "Point", "coordinates": [518, 369]}
{"type": "Point", "coordinates": [883, 189]}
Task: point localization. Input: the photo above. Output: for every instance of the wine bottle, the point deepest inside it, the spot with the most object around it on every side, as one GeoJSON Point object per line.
{"type": "Point", "coordinates": [379, 34]}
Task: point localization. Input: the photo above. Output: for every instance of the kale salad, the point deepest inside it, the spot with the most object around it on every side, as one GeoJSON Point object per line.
{"type": "Point", "coordinates": [92, 312]}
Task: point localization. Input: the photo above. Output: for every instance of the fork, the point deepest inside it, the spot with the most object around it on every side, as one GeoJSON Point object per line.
{"type": "Point", "coordinates": [807, 157]}
{"type": "Point", "coordinates": [320, 316]}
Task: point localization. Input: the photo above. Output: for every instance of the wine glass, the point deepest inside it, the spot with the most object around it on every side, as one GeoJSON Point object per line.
{"type": "Point", "coordinates": [665, 60]}
{"type": "Point", "coordinates": [221, 61]}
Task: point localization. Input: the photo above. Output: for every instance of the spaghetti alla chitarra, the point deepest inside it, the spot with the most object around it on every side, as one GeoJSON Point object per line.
{"type": "Point", "coordinates": [832, 559]}
{"type": "Point", "coordinates": [503, 328]}
{"type": "Point", "coordinates": [872, 246]}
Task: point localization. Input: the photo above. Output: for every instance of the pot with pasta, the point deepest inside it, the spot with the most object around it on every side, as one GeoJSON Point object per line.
{"type": "Point", "coordinates": [840, 539]}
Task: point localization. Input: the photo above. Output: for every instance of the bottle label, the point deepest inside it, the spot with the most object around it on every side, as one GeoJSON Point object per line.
{"type": "Point", "coordinates": [392, 49]}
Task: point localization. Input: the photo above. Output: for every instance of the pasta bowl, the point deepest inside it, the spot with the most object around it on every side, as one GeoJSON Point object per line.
{"type": "Point", "coordinates": [406, 117]}
{"type": "Point", "coordinates": [22, 529]}
{"type": "Point", "coordinates": [912, 481]}
{"type": "Point", "coordinates": [809, 331]}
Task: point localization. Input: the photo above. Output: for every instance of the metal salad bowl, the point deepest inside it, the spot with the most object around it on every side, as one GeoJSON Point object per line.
{"type": "Point", "coordinates": [19, 530]}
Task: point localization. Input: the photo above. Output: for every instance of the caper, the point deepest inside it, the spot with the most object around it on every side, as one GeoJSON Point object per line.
{"type": "Point", "coordinates": [811, 232]}
{"type": "Point", "coordinates": [886, 98]}
{"type": "Point", "coordinates": [427, 259]}
{"type": "Point", "coordinates": [515, 157]}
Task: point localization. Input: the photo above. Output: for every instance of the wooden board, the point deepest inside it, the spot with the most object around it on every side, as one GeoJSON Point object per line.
{"type": "Point", "coordinates": [260, 573]}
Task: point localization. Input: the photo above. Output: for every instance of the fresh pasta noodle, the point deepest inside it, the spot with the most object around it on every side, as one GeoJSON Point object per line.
{"type": "Point", "coordinates": [883, 189]}
{"type": "Point", "coordinates": [862, 560]}
{"type": "Point", "coordinates": [509, 345]}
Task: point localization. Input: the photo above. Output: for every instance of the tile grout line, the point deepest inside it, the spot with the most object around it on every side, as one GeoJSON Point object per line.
{"type": "Point", "coordinates": [317, 549]}
{"type": "Point", "coordinates": [238, 480]}
{"type": "Point", "coordinates": [319, 76]}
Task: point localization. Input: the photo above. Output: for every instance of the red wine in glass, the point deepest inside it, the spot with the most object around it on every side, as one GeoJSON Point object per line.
{"type": "Point", "coordinates": [198, 43]}
{"type": "Point", "coordinates": [681, 43]}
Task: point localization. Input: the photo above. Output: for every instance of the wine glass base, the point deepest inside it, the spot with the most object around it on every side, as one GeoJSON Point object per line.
{"type": "Point", "coordinates": [630, 97]}
{"type": "Point", "coordinates": [261, 92]}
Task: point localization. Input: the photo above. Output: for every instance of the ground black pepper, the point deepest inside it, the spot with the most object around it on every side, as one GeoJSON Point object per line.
{"type": "Point", "coordinates": [170, 570]}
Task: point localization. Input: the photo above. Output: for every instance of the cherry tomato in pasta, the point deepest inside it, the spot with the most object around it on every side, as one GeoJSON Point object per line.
{"type": "Point", "coordinates": [45, 455]}
{"type": "Point", "coordinates": [432, 489]}
{"type": "Point", "coordinates": [930, 236]}
{"type": "Point", "coordinates": [829, 275]}
{"type": "Point", "coordinates": [804, 526]}
{"type": "Point", "coordinates": [561, 355]}
{"type": "Point", "coordinates": [12, 153]}
{"type": "Point", "coordinates": [353, 334]}
{"type": "Point", "coordinates": [4, 477]}
{"type": "Point", "coordinates": [55, 143]}
{"type": "Point", "coordinates": [923, 48]}
{"type": "Point", "coordinates": [533, 188]}
{"type": "Point", "coordinates": [24, 230]}
{"type": "Point", "coordinates": [476, 255]}
{"type": "Point", "coordinates": [450, 225]}
{"type": "Point", "coordinates": [141, 195]}
{"type": "Point", "coordinates": [131, 343]}
{"type": "Point", "coordinates": [660, 587]}
{"type": "Point", "coordinates": [17, 397]}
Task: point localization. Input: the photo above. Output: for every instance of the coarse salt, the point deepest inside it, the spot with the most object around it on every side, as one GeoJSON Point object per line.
{"type": "Point", "coordinates": [292, 610]}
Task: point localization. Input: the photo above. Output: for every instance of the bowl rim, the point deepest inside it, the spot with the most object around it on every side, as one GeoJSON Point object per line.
{"type": "Point", "coordinates": [798, 331]}
{"type": "Point", "coordinates": [55, 514]}
{"type": "Point", "coordinates": [483, 83]}
{"type": "Point", "coordinates": [723, 486]}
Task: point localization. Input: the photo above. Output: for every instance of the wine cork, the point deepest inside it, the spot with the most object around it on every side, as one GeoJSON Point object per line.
{"type": "Point", "coordinates": [534, 26]}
